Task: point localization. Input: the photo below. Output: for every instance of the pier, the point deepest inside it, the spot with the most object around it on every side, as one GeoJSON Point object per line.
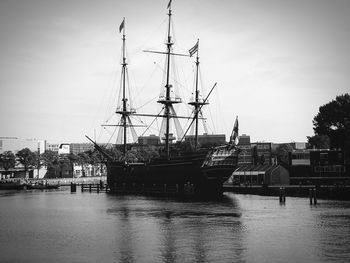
{"type": "Point", "coordinates": [93, 187]}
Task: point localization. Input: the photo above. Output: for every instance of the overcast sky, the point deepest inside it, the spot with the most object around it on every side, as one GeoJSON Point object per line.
{"type": "Point", "coordinates": [275, 62]}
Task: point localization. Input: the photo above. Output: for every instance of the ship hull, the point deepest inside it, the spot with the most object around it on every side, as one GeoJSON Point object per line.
{"type": "Point", "coordinates": [213, 178]}
{"type": "Point", "coordinates": [178, 176]}
{"type": "Point", "coordinates": [161, 175]}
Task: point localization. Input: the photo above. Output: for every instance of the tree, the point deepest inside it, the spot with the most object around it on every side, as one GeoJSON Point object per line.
{"type": "Point", "coordinates": [27, 158]}
{"type": "Point", "coordinates": [7, 160]}
{"type": "Point", "coordinates": [333, 120]}
{"type": "Point", "coordinates": [113, 152]}
{"type": "Point", "coordinates": [318, 142]}
{"type": "Point", "coordinates": [282, 153]}
{"type": "Point", "coordinates": [49, 158]}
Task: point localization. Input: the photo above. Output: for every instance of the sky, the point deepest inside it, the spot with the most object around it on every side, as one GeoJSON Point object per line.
{"type": "Point", "coordinates": [275, 63]}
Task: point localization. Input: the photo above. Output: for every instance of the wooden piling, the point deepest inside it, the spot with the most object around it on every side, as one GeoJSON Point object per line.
{"type": "Point", "coordinates": [310, 195]}
{"type": "Point", "coordinates": [73, 187]}
{"type": "Point", "coordinates": [282, 195]}
{"type": "Point", "coordinates": [315, 197]}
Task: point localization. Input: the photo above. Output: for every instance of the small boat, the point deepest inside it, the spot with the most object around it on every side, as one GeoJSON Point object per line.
{"type": "Point", "coordinates": [11, 185]}
{"type": "Point", "coordinates": [42, 186]}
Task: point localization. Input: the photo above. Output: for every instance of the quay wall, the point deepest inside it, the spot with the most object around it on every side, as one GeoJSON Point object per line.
{"type": "Point", "coordinates": [341, 192]}
{"type": "Point", "coordinates": [68, 181]}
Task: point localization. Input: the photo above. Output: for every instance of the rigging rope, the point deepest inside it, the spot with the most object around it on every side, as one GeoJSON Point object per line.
{"type": "Point", "coordinates": [153, 121]}
{"type": "Point", "coordinates": [132, 129]}
{"type": "Point", "coordinates": [179, 131]}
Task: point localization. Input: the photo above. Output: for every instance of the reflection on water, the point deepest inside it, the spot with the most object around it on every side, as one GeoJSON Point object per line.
{"type": "Point", "coordinates": [334, 223]}
{"type": "Point", "coordinates": [58, 226]}
{"type": "Point", "coordinates": [169, 230]}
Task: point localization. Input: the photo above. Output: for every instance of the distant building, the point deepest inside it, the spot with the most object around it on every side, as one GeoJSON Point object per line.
{"type": "Point", "coordinates": [149, 140]}
{"type": "Point", "coordinates": [262, 152]}
{"type": "Point", "coordinates": [207, 139]}
{"type": "Point", "coordinates": [300, 157]}
{"type": "Point", "coordinates": [294, 145]}
{"type": "Point", "coordinates": [299, 145]}
{"type": "Point", "coordinates": [244, 139]}
{"type": "Point", "coordinates": [52, 147]}
{"type": "Point", "coordinates": [64, 149]}
{"type": "Point", "coordinates": [15, 144]}
{"type": "Point", "coordinates": [245, 155]}
{"type": "Point", "coordinates": [76, 148]}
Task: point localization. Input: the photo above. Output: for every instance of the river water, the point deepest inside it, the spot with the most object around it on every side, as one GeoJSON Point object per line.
{"type": "Point", "coordinates": [59, 226]}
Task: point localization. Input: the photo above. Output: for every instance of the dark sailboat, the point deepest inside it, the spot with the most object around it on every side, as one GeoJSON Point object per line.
{"type": "Point", "coordinates": [197, 171]}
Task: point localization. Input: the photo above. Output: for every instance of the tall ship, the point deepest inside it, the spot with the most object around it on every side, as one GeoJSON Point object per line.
{"type": "Point", "coordinates": [177, 170]}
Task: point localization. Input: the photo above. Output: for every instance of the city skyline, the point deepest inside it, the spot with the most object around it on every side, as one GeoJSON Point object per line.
{"type": "Point", "coordinates": [276, 62]}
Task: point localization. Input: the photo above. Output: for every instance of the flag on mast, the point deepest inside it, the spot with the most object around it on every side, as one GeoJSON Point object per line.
{"type": "Point", "coordinates": [121, 27]}
{"type": "Point", "coordinates": [194, 49]}
{"type": "Point", "coordinates": [234, 134]}
{"type": "Point", "coordinates": [169, 5]}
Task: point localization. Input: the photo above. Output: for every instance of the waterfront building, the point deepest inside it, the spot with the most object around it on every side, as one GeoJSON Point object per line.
{"type": "Point", "coordinates": [19, 172]}
{"type": "Point", "coordinates": [260, 175]}
{"type": "Point", "coordinates": [315, 166]}
{"type": "Point", "coordinates": [88, 170]}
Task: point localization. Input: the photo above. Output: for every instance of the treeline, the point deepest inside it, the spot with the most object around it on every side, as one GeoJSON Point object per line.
{"type": "Point", "coordinates": [33, 160]}
{"type": "Point", "coordinates": [332, 126]}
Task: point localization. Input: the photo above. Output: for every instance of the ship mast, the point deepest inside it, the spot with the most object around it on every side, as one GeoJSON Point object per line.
{"type": "Point", "coordinates": [197, 104]}
{"type": "Point", "coordinates": [125, 113]}
{"type": "Point", "coordinates": [167, 101]}
{"type": "Point", "coordinates": [196, 100]}
{"type": "Point", "coordinates": [167, 86]}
